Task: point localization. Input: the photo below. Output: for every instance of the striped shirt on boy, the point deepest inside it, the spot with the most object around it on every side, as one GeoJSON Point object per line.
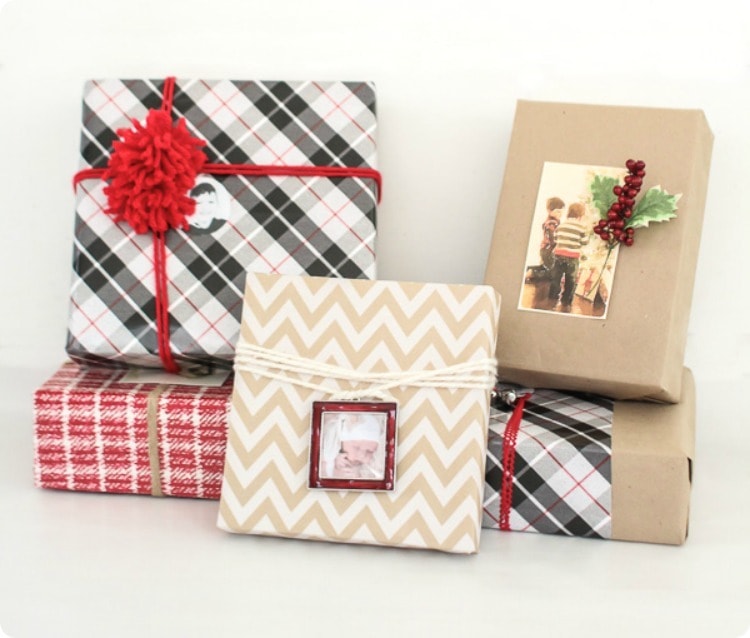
{"type": "Point", "coordinates": [569, 237]}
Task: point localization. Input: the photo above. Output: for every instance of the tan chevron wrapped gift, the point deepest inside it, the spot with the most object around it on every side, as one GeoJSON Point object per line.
{"type": "Point", "coordinates": [429, 347]}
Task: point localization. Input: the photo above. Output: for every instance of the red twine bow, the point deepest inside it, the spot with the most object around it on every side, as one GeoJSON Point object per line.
{"type": "Point", "coordinates": [150, 172]}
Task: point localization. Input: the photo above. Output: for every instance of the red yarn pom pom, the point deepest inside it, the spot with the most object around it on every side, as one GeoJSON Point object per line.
{"type": "Point", "coordinates": [151, 171]}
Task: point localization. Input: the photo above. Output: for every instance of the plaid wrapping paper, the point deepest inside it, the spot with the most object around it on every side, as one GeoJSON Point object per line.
{"type": "Point", "coordinates": [290, 225]}
{"type": "Point", "coordinates": [91, 434]}
{"type": "Point", "coordinates": [562, 481]}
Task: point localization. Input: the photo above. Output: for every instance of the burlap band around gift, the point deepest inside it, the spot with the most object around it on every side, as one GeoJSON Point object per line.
{"type": "Point", "coordinates": [152, 422]}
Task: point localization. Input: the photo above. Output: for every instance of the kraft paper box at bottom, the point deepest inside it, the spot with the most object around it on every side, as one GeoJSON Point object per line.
{"type": "Point", "coordinates": [585, 465]}
{"type": "Point", "coordinates": [310, 343]}
{"type": "Point", "coordinates": [96, 432]}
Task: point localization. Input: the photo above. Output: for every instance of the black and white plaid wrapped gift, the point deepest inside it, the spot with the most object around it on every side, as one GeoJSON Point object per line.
{"type": "Point", "coordinates": [561, 467]}
{"type": "Point", "coordinates": [310, 208]}
{"type": "Point", "coordinates": [584, 465]}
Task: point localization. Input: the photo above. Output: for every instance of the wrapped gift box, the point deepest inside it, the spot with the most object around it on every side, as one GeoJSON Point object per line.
{"type": "Point", "coordinates": [584, 465]}
{"type": "Point", "coordinates": [635, 349]}
{"type": "Point", "coordinates": [427, 347]}
{"type": "Point", "coordinates": [95, 433]}
{"type": "Point", "coordinates": [289, 186]}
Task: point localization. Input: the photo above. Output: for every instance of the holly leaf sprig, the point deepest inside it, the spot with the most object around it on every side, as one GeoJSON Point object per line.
{"type": "Point", "coordinates": [620, 213]}
{"type": "Point", "coordinates": [601, 193]}
{"type": "Point", "coordinates": [656, 205]}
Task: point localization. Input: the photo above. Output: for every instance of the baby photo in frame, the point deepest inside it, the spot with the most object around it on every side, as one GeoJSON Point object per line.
{"type": "Point", "coordinates": [353, 445]}
{"type": "Point", "coordinates": [568, 268]}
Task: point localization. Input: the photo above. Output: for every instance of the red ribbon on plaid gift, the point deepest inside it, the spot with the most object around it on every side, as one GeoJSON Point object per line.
{"type": "Point", "coordinates": [510, 437]}
{"type": "Point", "coordinates": [153, 167]}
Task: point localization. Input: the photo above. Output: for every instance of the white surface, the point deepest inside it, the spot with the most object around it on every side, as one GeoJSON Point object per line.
{"type": "Point", "coordinates": [448, 76]}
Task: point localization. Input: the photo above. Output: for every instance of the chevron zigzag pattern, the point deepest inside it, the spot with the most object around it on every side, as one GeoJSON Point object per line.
{"type": "Point", "coordinates": [372, 326]}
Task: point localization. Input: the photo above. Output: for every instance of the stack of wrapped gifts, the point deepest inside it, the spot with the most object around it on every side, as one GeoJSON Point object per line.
{"type": "Point", "coordinates": [598, 439]}
{"type": "Point", "coordinates": [184, 186]}
{"type": "Point", "coordinates": [229, 340]}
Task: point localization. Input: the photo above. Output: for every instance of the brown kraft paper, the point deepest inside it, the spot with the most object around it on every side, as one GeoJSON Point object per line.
{"type": "Point", "coordinates": [653, 447]}
{"type": "Point", "coordinates": [637, 350]}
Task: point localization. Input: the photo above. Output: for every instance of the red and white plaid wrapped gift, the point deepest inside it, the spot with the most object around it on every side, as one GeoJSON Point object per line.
{"type": "Point", "coordinates": [94, 433]}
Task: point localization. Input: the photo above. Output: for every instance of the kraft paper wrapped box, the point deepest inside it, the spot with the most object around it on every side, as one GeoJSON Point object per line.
{"type": "Point", "coordinates": [622, 333]}
{"type": "Point", "coordinates": [311, 344]}
{"type": "Point", "coordinates": [96, 432]}
{"type": "Point", "coordinates": [585, 465]}
{"type": "Point", "coordinates": [288, 184]}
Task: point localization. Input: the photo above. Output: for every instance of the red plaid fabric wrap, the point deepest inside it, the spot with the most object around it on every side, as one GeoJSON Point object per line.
{"type": "Point", "coordinates": [91, 434]}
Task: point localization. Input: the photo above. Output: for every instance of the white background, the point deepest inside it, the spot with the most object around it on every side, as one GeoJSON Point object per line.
{"type": "Point", "coordinates": [447, 76]}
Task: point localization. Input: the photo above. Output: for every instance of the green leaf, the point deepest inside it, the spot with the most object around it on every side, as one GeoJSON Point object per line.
{"type": "Point", "coordinates": [601, 193]}
{"type": "Point", "coordinates": [657, 205]}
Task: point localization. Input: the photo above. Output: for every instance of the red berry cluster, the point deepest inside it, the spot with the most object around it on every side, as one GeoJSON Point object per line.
{"type": "Point", "coordinates": [613, 228]}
